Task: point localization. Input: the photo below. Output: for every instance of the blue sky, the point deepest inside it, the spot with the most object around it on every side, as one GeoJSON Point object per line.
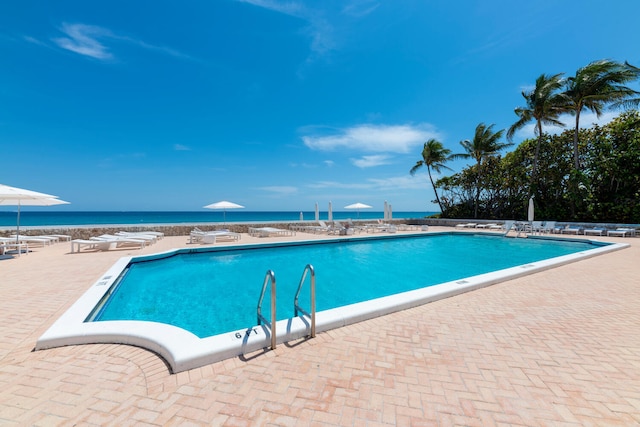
{"type": "Point", "coordinates": [276, 105]}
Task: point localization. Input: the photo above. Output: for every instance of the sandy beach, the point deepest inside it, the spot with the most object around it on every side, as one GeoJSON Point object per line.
{"type": "Point", "coordinates": [561, 347]}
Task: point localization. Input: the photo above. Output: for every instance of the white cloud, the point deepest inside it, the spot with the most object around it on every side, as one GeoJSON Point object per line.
{"type": "Point", "coordinates": [280, 190]}
{"type": "Point", "coordinates": [88, 40]}
{"type": "Point", "coordinates": [374, 138]}
{"type": "Point", "coordinates": [180, 147]}
{"type": "Point", "coordinates": [329, 163]}
{"type": "Point", "coordinates": [400, 183]}
{"type": "Point", "coordinates": [587, 119]}
{"type": "Point", "coordinates": [360, 8]}
{"type": "Point", "coordinates": [83, 39]}
{"type": "Point", "coordinates": [404, 182]}
{"type": "Point", "coordinates": [319, 29]}
{"type": "Point", "coordinates": [371, 161]}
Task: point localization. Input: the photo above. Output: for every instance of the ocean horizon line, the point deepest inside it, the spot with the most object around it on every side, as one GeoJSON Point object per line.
{"type": "Point", "coordinates": [50, 218]}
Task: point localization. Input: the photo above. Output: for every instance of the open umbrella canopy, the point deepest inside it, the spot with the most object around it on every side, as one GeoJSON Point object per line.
{"type": "Point", "coordinates": [14, 196]}
{"type": "Point", "coordinates": [224, 205]}
{"type": "Point", "coordinates": [51, 201]}
{"type": "Point", "coordinates": [358, 206]}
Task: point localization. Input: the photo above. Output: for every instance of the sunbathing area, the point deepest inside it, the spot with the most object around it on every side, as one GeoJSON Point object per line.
{"type": "Point", "coordinates": [555, 348]}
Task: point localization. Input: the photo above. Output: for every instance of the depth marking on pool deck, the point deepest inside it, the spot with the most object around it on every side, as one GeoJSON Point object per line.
{"type": "Point", "coordinates": [183, 350]}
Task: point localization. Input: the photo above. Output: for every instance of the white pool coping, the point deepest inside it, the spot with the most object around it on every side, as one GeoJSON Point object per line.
{"type": "Point", "coordinates": [183, 350]}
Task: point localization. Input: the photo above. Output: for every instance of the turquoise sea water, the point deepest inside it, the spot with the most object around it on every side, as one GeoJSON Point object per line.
{"type": "Point", "coordinates": [53, 218]}
{"type": "Point", "coordinates": [215, 292]}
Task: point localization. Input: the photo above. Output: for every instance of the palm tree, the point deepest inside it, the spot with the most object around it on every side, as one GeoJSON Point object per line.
{"type": "Point", "coordinates": [596, 86]}
{"type": "Point", "coordinates": [434, 156]}
{"type": "Point", "coordinates": [485, 143]}
{"type": "Point", "coordinates": [544, 105]}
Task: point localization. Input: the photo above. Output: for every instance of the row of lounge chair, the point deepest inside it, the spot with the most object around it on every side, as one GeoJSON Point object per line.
{"type": "Point", "coordinates": [199, 236]}
{"type": "Point", "coordinates": [349, 227]}
{"type": "Point", "coordinates": [539, 227]}
{"type": "Point", "coordinates": [20, 243]}
{"type": "Point", "coordinates": [121, 239]}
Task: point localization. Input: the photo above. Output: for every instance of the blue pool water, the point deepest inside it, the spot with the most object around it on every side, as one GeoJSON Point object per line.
{"type": "Point", "coordinates": [209, 293]}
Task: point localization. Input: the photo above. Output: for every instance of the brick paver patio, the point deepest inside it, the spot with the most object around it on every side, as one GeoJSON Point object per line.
{"type": "Point", "coordinates": [558, 348]}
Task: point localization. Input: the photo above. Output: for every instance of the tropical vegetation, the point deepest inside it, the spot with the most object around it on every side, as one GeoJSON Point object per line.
{"type": "Point", "coordinates": [590, 174]}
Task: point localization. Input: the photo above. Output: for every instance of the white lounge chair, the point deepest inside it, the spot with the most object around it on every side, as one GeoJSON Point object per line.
{"type": "Point", "coordinates": [78, 244]}
{"type": "Point", "coordinates": [120, 241]}
{"type": "Point", "coordinates": [549, 227]}
{"type": "Point", "coordinates": [467, 225]}
{"type": "Point", "coordinates": [33, 240]}
{"type": "Point", "coordinates": [7, 243]}
{"type": "Point", "coordinates": [150, 238]}
{"type": "Point", "coordinates": [198, 235]}
{"type": "Point", "coordinates": [571, 230]}
{"type": "Point", "coordinates": [622, 232]}
{"type": "Point", "coordinates": [321, 228]}
{"type": "Point", "coordinates": [270, 231]}
{"type": "Point", "coordinates": [595, 231]}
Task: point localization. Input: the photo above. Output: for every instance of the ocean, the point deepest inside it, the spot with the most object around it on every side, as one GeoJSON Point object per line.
{"type": "Point", "coordinates": [31, 218]}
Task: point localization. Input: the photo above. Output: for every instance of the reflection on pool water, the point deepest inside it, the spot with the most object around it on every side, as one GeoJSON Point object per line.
{"type": "Point", "coordinates": [209, 293]}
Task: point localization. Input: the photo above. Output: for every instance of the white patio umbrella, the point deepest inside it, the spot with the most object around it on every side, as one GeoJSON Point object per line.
{"type": "Point", "coordinates": [14, 196]}
{"type": "Point", "coordinates": [358, 206]}
{"type": "Point", "coordinates": [330, 213]}
{"type": "Point", "coordinates": [317, 212]}
{"type": "Point", "coordinates": [224, 205]}
{"type": "Point", "coordinates": [385, 214]}
{"type": "Point", "coordinates": [531, 210]}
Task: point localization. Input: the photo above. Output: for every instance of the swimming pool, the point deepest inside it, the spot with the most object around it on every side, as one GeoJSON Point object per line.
{"type": "Point", "coordinates": [210, 293]}
{"type": "Point", "coordinates": [216, 321]}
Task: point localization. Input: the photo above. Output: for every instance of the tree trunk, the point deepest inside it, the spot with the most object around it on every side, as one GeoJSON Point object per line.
{"type": "Point", "coordinates": [576, 154]}
{"type": "Point", "coordinates": [434, 189]}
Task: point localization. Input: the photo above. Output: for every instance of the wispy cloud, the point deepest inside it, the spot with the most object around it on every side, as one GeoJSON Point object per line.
{"type": "Point", "coordinates": [373, 138]}
{"type": "Point", "coordinates": [180, 147]}
{"type": "Point", "coordinates": [91, 41]}
{"type": "Point", "coordinates": [360, 8]}
{"type": "Point", "coordinates": [318, 28]}
{"type": "Point", "coordinates": [280, 190]}
{"type": "Point", "coordinates": [395, 183]}
{"type": "Point", "coordinates": [371, 161]}
{"type": "Point", "coordinates": [85, 40]}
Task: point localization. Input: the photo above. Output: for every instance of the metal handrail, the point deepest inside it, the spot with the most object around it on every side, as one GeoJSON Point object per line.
{"type": "Point", "coordinates": [296, 306]}
{"type": "Point", "coordinates": [269, 277]}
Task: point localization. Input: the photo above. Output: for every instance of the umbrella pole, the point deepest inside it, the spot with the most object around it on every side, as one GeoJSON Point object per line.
{"type": "Point", "coordinates": [18, 227]}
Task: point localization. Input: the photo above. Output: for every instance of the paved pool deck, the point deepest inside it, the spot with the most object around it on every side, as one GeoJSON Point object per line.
{"type": "Point", "coordinates": [557, 348]}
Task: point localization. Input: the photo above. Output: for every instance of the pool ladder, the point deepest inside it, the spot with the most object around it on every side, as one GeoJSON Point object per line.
{"type": "Point", "coordinates": [296, 307]}
{"type": "Point", "coordinates": [270, 278]}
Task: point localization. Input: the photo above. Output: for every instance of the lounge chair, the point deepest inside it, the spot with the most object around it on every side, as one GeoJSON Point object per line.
{"type": "Point", "coordinates": [120, 241]}
{"type": "Point", "coordinates": [7, 243]}
{"type": "Point", "coordinates": [321, 228]}
{"type": "Point", "coordinates": [549, 227]}
{"type": "Point", "coordinates": [508, 225]}
{"type": "Point", "coordinates": [78, 244]}
{"type": "Point", "coordinates": [595, 231]}
{"type": "Point", "coordinates": [198, 235]}
{"type": "Point", "coordinates": [622, 232]}
{"type": "Point", "coordinates": [467, 225]}
{"type": "Point", "coordinates": [149, 238]}
{"type": "Point", "coordinates": [487, 225]}
{"type": "Point", "coordinates": [270, 231]}
{"type": "Point", "coordinates": [571, 229]}
{"type": "Point", "coordinates": [44, 241]}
